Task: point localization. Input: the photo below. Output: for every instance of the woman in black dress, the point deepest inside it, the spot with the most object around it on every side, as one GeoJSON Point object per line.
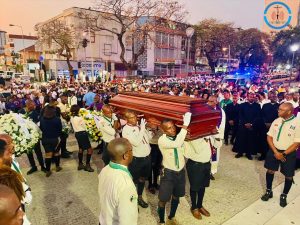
{"type": "Point", "coordinates": [51, 128]}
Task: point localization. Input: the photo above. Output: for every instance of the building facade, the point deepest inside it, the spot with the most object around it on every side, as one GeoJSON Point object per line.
{"type": "Point", "coordinates": [101, 55]}
{"type": "Point", "coordinates": [280, 15]}
{"type": "Point", "coordinates": [166, 51]}
{"type": "Point", "coordinates": [13, 50]}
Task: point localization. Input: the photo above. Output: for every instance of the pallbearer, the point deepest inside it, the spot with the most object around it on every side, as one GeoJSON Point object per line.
{"type": "Point", "coordinates": [139, 138]}
{"type": "Point", "coordinates": [172, 182]}
{"type": "Point", "coordinates": [108, 126]}
{"type": "Point", "coordinates": [198, 169]}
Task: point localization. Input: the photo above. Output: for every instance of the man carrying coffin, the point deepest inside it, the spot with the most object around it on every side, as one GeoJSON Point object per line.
{"type": "Point", "coordinates": [172, 182]}
{"type": "Point", "coordinates": [198, 168]}
{"type": "Point", "coordinates": [139, 138]}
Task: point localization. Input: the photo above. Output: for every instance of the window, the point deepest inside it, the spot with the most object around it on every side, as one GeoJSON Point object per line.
{"type": "Point", "coordinates": [107, 49]}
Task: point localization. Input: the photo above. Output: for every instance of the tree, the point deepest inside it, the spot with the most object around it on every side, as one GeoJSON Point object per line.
{"type": "Point", "coordinates": [252, 47]}
{"type": "Point", "coordinates": [58, 37]}
{"type": "Point", "coordinates": [212, 37]}
{"type": "Point", "coordinates": [282, 43]}
{"type": "Point", "coordinates": [135, 20]}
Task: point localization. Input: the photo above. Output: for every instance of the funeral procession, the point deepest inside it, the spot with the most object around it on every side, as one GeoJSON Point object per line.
{"type": "Point", "coordinates": [149, 112]}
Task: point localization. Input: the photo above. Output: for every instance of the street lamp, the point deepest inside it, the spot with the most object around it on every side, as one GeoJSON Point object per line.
{"type": "Point", "coordinates": [189, 33]}
{"type": "Point", "coordinates": [14, 25]}
{"type": "Point", "coordinates": [294, 48]}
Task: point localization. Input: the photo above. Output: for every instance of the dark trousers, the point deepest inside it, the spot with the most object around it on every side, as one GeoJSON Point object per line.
{"type": "Point", "coordinates": [246, 141]}
{"type": "Point", "coordinates": [105, 155]}
{"type": "Point", "coordinates": [62, 144]}
{"type": "Point", "coordinates": [39, 154]}
{"type": "Point", "coordinates": [156, 160]}
{"type": "Point", "coordinates": [233, 130]}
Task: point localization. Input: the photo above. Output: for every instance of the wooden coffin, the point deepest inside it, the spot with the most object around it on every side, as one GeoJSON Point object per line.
{"type": "Point", "coordinates": [156, 107]}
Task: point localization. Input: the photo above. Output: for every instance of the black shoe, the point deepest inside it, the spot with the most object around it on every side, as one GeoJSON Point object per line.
{"type": "Point", "coordinates": [249, 157]}
{"type": "Point", "coordinates": [142, 203]}
{"type": "Point", "coordinates": [70, 153]}
{"type": "Point", "coordinates": [151, 190]}
{"type": "Point", "coordinates": [212, 177]}
{"type": "Point", "coordinates": [283, 202]}
{"type": "Point", "coordinates": [44, 169]}
{"type": "Point", "coordinates": [32, 170]}
{"type": "Point", "coordinates": [80, 166]}
{"type": "Point", "coordinates": [48, 173]}
{"type": "Point", "coordinates": [88, 168]}
{"type": "Point", "coordinates": [261, 158]}
{"type": "Point", "coordinates": [156, 186]}
{"type": "Point", "coordinates": [226, 142]}
{"type": "Point", "coordinates": [65, 156]}
{"type": "Point", "coordinates": [267, 196]}
{"type": "Point", "coordinates": [239, 155]}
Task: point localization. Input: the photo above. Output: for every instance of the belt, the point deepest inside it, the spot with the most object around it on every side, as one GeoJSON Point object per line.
{"type": "Point", "coordinates": [173, 171]}
{"type": "Point", "coordinates": [195, 162]}
{"type": "Point", "coordinates": [142, 158]}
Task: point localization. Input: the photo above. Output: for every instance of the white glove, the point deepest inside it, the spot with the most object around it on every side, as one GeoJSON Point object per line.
{"type": "Point", "coordinates": [143, 124]}
{"type": "Point", "coordinates": [114, 117]}
{"type": "Point", "coordinates": [187, 119]}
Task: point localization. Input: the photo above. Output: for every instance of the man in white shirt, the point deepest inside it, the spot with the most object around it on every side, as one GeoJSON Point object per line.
{"type": "Point", "coordinates": [108, 125]}
{"type": "Point", "coordinates": [198, 169]}
{"type": "Point", "coordinates": [218, 138]}
{"type": "Point", "coordinates": [117, 192]}
{"type": "Point", "coordinates": [284, 140]}
{"type": "Point", "coordinates": [139, 137]}
{"type": "Point", "coordinates": [172, 182]}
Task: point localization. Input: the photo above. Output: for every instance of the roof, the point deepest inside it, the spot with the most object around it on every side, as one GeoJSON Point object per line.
{"type": "Point", "coordinates": [16, 36]}
{"type": "Point", "coordinates": [29, 49]}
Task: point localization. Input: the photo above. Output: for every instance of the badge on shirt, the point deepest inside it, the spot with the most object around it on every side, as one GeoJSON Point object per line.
{"type": "Point", "coordinates": [292, 127]}
{"type": "Point", "coordinates": [132, 198]}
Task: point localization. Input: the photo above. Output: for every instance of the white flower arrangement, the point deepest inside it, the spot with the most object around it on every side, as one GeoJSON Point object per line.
{"type": "Point", "coordinates": [24, 132]}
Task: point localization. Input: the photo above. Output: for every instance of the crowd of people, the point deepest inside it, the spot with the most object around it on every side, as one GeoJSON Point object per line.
{"type": "Point", "coordinates": [135, 151]}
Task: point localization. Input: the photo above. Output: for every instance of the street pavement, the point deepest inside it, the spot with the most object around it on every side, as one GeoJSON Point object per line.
{"type": "Point", "coordinates": [70, 197]}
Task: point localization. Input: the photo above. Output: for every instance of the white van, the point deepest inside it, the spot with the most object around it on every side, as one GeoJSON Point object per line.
{"type": "Point", "coordinates": [8, 74]}
{"type": "Point", "coordinates": [240, 80]}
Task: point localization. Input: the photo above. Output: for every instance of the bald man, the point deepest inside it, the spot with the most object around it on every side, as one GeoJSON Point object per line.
{"type": "Point", "coordinates": [283, 139]}
{"type": "Point", "coordinates": [117, 192]}
{"type": "Point", "coordinates": [108, 127]}
{"type": "Point", "coordinates": [11, 212]}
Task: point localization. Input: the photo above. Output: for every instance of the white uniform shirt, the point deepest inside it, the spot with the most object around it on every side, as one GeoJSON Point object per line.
{"type": "Point", "coordinates": [198, 150]}
{"type": "Point", "coordinates": [285, 133]}
{"type": "Point", "coordinates": [139, 139]}
{"type": "Point", "coordinates": [106, 128]}
{"type": "Point", "coordinates": [63, 107]}
{"type": "Point", "coordinates": [117, 197]}
{"type": "Point", "coordinates": [72, 100]}
{"type": "Point", "coordinates": [221, 131]}
{"type": "Point", "coordinates": [167, 147]}
{"type": "Point", "coordinates": [295, 104]}
{"type": "Point", "coordinates": [78, 124]}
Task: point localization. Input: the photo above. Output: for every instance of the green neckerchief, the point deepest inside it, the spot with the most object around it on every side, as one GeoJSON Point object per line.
{"type": "Point", "coordinates": [108, 119]}
{"type": "Point", "coordinates": [119, 167]}
{"type": "Point", "coordinates": [175, 153]}
{"type": "Point", "coordinates": [16, 167]}
{"type": "Point", "coordinates": [281, 126]}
